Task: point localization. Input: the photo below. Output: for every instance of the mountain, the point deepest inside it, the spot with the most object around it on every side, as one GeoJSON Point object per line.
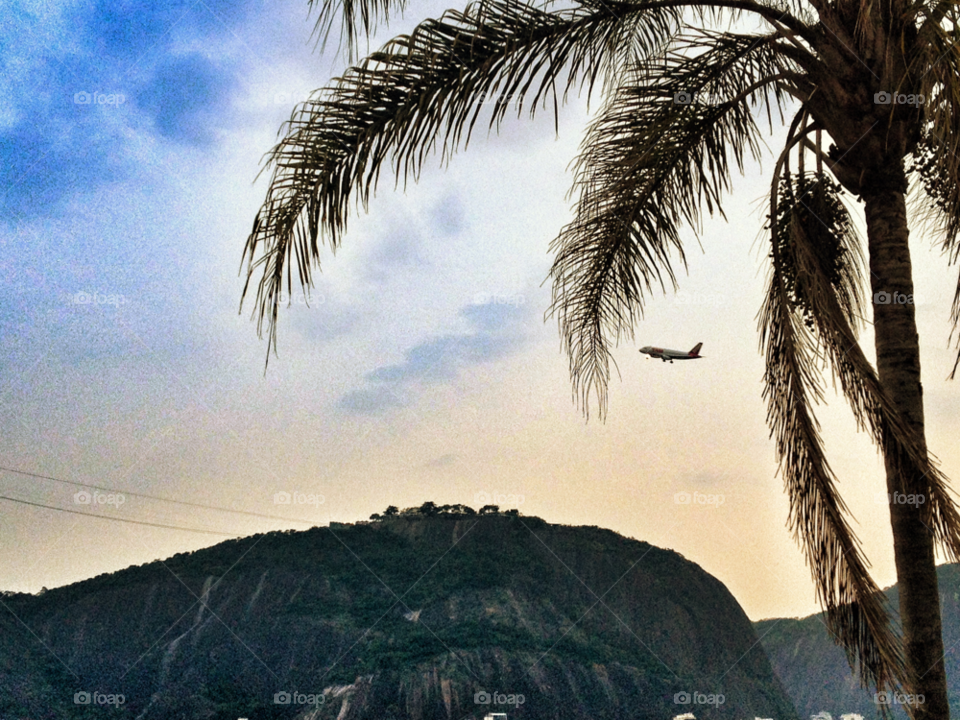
{"type": "Point", "coordinates": [421, 616]}
{"type": "Point", "coordinates": [815, 672]}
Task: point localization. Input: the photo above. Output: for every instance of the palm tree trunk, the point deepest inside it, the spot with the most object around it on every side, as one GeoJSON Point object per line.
{"type": "Point", "coordinates": [898, 366]}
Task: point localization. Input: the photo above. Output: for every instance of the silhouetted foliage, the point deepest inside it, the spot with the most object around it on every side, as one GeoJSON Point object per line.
{"type": "Point", "coordinates": [431, 509]}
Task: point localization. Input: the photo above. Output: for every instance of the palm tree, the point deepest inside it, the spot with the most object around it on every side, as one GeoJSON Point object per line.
{"type": "Point", "coordinates": [870, 94]}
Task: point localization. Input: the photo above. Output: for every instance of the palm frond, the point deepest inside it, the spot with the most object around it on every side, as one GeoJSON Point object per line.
{"type": "Point", "coordinates": [822, 277]}
{"type": "Point", "coordinates": [812, 238]}
{"type": "Point", "coordinates": [937, 158]}
{"type": "Point", "coordinates": [659, 154]}
{"type": "Point", "coordinates": [418, 92]}
{"type": "Point", "coordinates": [357, 17]}
{"type": "Point", "coordinates": [823, 297]}
{"type": "Point", "coordinates": [830, 249]}
{"type": "Point", "coordinates": [879, 416]}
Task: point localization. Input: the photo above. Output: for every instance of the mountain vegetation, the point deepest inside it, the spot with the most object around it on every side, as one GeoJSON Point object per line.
{"type": "Point", "coordinates": [422, 615]}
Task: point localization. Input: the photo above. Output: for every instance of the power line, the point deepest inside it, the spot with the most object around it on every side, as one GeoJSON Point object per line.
{"type": "Point", "coordinates": [153, 497]}
{"type": "Point", "coordinates": [116, 519]}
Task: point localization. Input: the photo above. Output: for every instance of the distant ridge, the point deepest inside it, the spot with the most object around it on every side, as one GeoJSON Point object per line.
{"type": "Point", "coordinates": [815, 673]}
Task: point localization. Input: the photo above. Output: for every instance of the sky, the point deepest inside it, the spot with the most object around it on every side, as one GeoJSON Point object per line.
{"type": "Point", "coordinates": [420, 366]}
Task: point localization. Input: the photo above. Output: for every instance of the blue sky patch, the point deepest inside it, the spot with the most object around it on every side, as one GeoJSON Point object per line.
{"type": "Point", "coordinates": [79, 83]}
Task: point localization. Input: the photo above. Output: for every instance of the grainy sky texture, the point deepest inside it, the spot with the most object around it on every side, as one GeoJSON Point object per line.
{"type": "Point", "coordinates": [422, 369]}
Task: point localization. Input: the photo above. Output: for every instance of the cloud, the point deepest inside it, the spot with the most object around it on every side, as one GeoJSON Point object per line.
{"type": "Point", "coordinates": [448, 215]}
{"type": "Point", "coordinates": [443, 461]}
{"type": "Point", "coordinates": [128, 29]}
{"type": "Point", "coordinates": [82, 82]}
{"type": "Point", "coordinates": [400, 251]}
{"type": "Point", "coordinates": [186, 98]}
{"type": "Point", "coordinates": [371, 401]}
{"type": "Point", "coordinates": [707, 478]}
{"type": "Point", "coordinates": [321, 322]}
{"type": "Point", "coordinates": [410, 233]}
{"type": "Point", "coordinates": [496, 333]}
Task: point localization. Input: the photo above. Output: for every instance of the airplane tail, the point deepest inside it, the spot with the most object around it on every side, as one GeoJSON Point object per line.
{"type": "Point", "coordinates": [696, 350]}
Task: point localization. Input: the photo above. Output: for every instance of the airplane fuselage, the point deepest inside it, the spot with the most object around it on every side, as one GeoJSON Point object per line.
{"type": "Point", "coordinates": [671, 355]}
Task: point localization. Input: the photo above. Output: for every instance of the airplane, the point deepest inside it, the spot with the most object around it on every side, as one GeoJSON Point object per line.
{"type": "Point", "coordinates": [672, 355]}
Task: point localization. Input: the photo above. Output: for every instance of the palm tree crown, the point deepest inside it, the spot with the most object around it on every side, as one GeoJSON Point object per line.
{"type": "Point", "coordinates": [870, 93]}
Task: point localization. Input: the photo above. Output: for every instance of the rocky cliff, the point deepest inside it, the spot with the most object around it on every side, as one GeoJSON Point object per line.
{"type": "Point", "coordinates": [425, 618]}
